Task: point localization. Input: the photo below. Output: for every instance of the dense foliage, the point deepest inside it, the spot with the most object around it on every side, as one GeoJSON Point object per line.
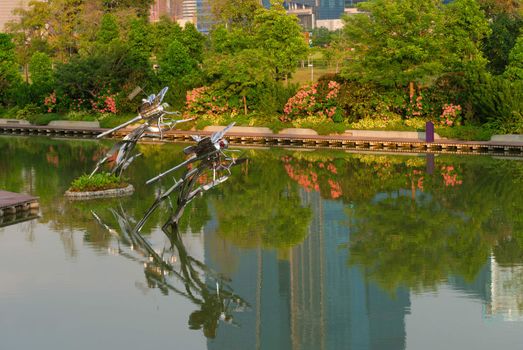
{"type": "Point", "coordinates": [397, 63]}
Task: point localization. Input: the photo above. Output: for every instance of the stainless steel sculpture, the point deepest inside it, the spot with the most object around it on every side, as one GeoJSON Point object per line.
{"type": "Point", "coordinates": [207, 166]}
{"type": "Point", "coordinates": [209, 149]}
{"type": "Point", "coordinates": [164, 268]}
{"type": "Point", "coordinates": [153, 114]}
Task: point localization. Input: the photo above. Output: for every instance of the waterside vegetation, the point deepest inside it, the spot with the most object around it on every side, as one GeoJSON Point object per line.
{"type": "Point", "coordinates": [97, 182]}
{"type": "Point", "coordinates": [395, 65]}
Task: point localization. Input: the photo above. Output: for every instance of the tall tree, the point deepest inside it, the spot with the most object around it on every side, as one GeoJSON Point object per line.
{"type": "Point", "coordinates": [240, 75]}
{"type": "Point", "coordinates": [514, 69]}
{"type": "Point", "coordinates": [42, 75]}
{"type": "Point", "coordinates": [9, 76]}
{"type": "Point", "coordinates": [395, 42]}
{"type": "Point", "coordinates": [279, 36]}
{"type": "Point", "coordinates": [109, 30]}
{"type": "Point", "coordinates": [505, 29]}
{"type": "Point", "coordinates": [235, 12]}
{"type": "Point", "coordinates": [465, 29]}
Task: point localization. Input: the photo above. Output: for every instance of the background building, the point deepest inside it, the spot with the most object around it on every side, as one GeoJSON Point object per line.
{"type": "Point", "coordinates": [6, 10]}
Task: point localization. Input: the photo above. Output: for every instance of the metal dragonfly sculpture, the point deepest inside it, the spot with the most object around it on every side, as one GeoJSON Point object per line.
{"type": "Point", "coordinates": [207, 167]}
{"type": "Point", "coordinates": [153, 114]}
{"type": "Point", "coordinates": [172, 264]}
{"type": "Point", "coordinates": [209, 150]}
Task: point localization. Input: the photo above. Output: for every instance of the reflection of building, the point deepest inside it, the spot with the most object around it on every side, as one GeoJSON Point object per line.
{"type": "Point", "coordinates": [308, 297]}
{"type": "Point", "coordinates": [6, 10]}
{"type": "Point", "coordinates": [499, 287]}
{"type": "Point", "coordinates": [506, 291]}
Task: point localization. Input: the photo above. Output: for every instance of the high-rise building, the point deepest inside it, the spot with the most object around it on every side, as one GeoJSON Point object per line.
{"type": "Point", "coordinates": [6, 10]}
{"type": "Point", "coordinates": [320, 13]}
{"type": "Point", "coordinates": [172, 9]}
{"type": "Point", "coordinates": [197, 12]}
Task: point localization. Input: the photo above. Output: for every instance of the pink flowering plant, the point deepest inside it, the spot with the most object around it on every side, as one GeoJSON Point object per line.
{"type": "Point", "coordinates": [416, 106]}
{"type": "Point", "coordinates": [103, 102]}
{"type": "Point", "coordinates": [319, 99]}
{"type": "Point", "coordinates": [450, 115]}
{"type": "Point", "coordinates": [204, 101]}
{"type": "Point", "coordinates": [50, 102]}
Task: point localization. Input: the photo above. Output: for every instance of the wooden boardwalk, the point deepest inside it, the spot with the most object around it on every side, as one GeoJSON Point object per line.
{"type": "Point", "coordinates": [12, 203]}
{"type": "Point", "coordinates": [342, 141]}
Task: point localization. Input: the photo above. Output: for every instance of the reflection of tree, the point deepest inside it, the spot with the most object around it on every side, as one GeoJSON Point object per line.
{"type": "Point", "coordinates": [450, 225]}
{"type": "Point", "coordinates": [401, 242]}
{"type": "Point", "coordinates": [261, 208]}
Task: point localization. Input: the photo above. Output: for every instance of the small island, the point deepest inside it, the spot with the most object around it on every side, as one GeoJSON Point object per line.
{"type": "Point", "coordinates": [99, 185]}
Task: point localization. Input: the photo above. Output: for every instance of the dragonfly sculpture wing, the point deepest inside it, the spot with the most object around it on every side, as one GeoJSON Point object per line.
{"type": "Point", "coordinates": [219, 134]}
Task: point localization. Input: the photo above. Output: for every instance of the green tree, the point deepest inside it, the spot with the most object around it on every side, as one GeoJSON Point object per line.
{"type": "Point", "coordinates": [176, 65]}
{"type": "Point", "coordinates": [240, 75]}
{"type": "Point", "coordinates": [323, 37]}
{"type": "Point", "coordinates": [110, 68]}
{"type": "Point", "coordinates": [396, 42]}
{"type": "Point", "coordinates": [194, 41]}
{"type": "Point", "coordinates": [162, 33]}
{"type": "Point", "coordinates": [235, 13]}
{"type": "Point", "coordinates": [505, 30]}
{"type": "Point", "coordinates": [42, 75]}
{"type": "Point", "coordinates": [29, 32]}
{"type": "Point", "coordinates": [279, 36]}
{"type": "Point", "coordinates": [178, 70]}
{"type": "Point", "coordinates": [140, 41]}
{"type": "Point", "coordinates": [9, 75]}
{"type": "Point", "coordinates": [109, 30]}
{"type": "Point", "coordinates": [224, 40]}
{"type": "Point", "coordinates": [466, 28]}
{"type": "Point", "coordinates": [514, 69]}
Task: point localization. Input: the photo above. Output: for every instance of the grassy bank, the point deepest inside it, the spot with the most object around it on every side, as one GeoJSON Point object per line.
{"type": "Point", "coordinates": [322, 126]}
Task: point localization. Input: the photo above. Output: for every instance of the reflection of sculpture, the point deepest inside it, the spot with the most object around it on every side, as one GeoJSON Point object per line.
{"type": "Point", "coordinates": [164, 268]}
{"type": "Point", "coordinates": [152, 112]}
{"type": "Point", "coordinates": [203, 287]}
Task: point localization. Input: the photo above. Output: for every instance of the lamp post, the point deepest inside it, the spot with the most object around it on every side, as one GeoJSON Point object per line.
{"type": "Point", "coordinates": [311, 64]}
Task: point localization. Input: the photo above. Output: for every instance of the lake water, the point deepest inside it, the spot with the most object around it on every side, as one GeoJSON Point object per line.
{"type": "Point", "coordinates": [297, 250]}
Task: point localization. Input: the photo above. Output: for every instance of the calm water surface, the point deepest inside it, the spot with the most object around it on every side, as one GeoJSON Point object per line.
{"type": "Point", "coordinates": [297, 250]}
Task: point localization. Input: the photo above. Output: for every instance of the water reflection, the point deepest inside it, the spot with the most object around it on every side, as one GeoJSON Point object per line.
{"type": "Point", "coordinates": [165, 267]}
{"type": "Point", "coordinates": [330, 250]}
{"type": "Point", "coordinates": [204, 287]}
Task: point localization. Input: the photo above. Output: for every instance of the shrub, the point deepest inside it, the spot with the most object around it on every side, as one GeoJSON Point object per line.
{"type": "Point", "coordinates": [451, 115]}
{"type": "Point", "coordinates": [497, 101]}
{"type": "Point", "coordinates": [203, 101]}
{"type": "Point", "coordinates": [97, 182]}
{"type": "Point", "coordinates": [319, 99]}
{"type": "Point", "coordinates": [27, 112]}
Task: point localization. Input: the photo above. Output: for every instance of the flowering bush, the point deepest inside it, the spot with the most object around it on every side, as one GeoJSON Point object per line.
{"type": "Point", "coordinates": [202, 101]}
{"type": "Point", "coordinates": [451, 115]}
{"type": "Point", "coordinates": [415, 106]}
{"type": "Point", "coordinates": [50, 102]}
{"type": "Point", "coordinates": [320, 99]}
{"type": "Point", "coordinates": [104, 102]}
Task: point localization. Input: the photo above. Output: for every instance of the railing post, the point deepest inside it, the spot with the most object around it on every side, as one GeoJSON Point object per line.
{"type": "Point", "coordinates": [429, 132]}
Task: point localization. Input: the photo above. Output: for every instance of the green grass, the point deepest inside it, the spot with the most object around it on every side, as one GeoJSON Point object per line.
{"type": "Point", "coordinates": [466, 133]}
{"type": "Point", "coordinates": [98, 182]}
{"type": "Point", "coordinates": [302, 76]}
